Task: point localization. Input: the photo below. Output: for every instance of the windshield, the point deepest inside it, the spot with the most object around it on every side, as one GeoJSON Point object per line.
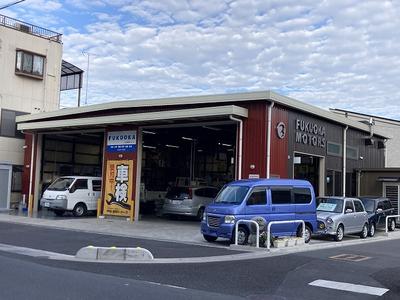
{"type": "Point", "coordinates": [330, 205]}
{"type": "Point", "coordinates": [369, 205]}
{"type": "Point", "coordinates": [178, 193]}
{"type": "Point", "coordinates": [61, 184]}
{"type": "Point", "coordinates": [232, 194]}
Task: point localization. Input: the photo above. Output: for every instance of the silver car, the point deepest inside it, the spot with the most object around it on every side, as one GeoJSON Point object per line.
{"type": "Point", "coordinates": [189, 201]}
{"type": "Point", "coordinates": [338, 216]}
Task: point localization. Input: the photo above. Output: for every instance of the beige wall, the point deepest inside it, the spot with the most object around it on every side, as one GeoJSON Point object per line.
{"type": "Point", "coordinates": [25, 94]}
{"type": "Point", "coordinates": [22, 93]}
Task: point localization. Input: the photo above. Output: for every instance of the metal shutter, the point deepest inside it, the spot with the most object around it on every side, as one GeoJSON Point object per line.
{"type": "Point", "coordinates": [391, 191]}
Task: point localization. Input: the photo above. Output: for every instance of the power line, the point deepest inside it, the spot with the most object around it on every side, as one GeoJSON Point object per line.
{"type": "Point", "coordinates": [11, 4]}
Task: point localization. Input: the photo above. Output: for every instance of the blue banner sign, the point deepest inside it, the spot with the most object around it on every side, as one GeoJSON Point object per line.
{"type": "Point", "coordinates": [121, 141]}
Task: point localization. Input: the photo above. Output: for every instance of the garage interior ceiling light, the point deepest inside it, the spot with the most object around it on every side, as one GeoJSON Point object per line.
{"type": "Point", "coordinates": [212, 128]}
{"type": "Point", "coordinates": [187, 138]}
{"type": "Point", "coordinates": [149, 147]}
{"type": "Point", "coordinates": [149, 132]}
{"type": "Point", "coordinates": [223, 144]}
{"type": "Point", "coordinates": [171, 146]}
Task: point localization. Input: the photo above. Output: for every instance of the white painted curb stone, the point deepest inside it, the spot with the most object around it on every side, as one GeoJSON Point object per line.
{"type": "Point", "coordinates": [114, 254]}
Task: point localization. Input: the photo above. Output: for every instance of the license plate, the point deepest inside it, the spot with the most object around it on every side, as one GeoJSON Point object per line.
{"type": "Point", "coordinates": [46, 204]}
{"type": "Point", "coordinates": [176, 202]}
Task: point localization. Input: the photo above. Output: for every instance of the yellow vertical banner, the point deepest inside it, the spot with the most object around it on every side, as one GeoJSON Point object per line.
{"type": "Point", "coordinates": [118, 188]}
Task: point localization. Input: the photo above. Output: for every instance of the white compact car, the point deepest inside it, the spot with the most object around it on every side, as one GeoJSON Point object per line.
{"type": "Point", "coordinates": [77, 194]}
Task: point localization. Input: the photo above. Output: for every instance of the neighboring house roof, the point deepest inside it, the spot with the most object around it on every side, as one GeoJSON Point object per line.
{"type": "Point", "coordinates": [207, 99]}
{"type": "Point", "coordinates": [349, 112]}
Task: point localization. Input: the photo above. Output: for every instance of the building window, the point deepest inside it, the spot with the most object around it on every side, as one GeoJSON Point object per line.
{"type": "Point", "coordinates": [16, 183]}
{"type": "Point", "coordinates": [352, 152]}
{"type": "Point", "coordinates": [334, 149]}
{"type": "Point", "coordinates": [281, 196]}
{"type": "Point", "coordinates": [8, 126]}
{"type": "Point", "coordinates": [30, 64]}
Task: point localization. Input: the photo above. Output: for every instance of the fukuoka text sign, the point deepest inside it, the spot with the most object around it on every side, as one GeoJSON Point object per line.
{"type": "Point", "coordinates": [121, 141]}
{"type": "Point", "coordinates": [118, 188]}
{"type": "Point", "coordinates": [309, 133]}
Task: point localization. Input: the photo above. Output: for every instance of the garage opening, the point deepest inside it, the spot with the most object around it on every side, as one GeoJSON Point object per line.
{"type": "Point", "coordinates": [71, 154]}
{"type": "Point", "coordinates": [182, 163]}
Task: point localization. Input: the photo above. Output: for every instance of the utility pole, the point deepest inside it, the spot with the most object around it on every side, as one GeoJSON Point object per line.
{"type": "Point", "coordinates": [86, 53]}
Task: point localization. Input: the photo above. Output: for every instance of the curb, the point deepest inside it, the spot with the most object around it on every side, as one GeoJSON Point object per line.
{"type": "Point", "coordinates": [114, 254]}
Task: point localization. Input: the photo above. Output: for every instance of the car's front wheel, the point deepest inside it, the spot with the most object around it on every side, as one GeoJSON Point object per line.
{"type": "Point", "coordinates": [392, 225]}
{"type": "Point", "coordinates": [307, 234]}
{"type": "Point", "coordinates": [339, 233]}
{"type": "Point", "coordinates": [364, 232]}
{"type": "Point", "coordinates": [200, 214]}
{"type": "Point", "coordinates": [372, 228]}
{"type": "Point", "coordinates": [79, 210]}
{"type": "Point", "coordinates": [242, 236]}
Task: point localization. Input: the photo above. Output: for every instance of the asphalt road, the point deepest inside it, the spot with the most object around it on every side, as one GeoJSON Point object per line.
{"type": "Point", "coordinates": [69, 242]}
{"type": "Point", "coordinates": [281, 277]}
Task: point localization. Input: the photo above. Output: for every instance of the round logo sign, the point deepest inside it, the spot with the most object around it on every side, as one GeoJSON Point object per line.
{"type": "Point", "coordinates": [281, 130]}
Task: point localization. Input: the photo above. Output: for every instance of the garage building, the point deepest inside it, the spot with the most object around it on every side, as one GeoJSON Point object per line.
{"type": "Point", "coordinates": [200, 140]}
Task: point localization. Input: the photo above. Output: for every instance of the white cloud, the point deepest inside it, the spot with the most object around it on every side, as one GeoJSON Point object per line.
{"type": "Point", "coordinates": [328, 53]}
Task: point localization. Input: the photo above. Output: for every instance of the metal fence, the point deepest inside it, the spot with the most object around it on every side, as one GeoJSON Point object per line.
{"type": "Point", "coordinates": [30, 29]}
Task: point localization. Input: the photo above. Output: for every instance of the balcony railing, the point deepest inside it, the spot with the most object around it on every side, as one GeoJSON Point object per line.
{"type": "Point", "coordinates": [30, 29]}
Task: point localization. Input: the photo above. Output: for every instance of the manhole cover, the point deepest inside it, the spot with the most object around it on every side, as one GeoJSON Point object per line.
{"type": "Point", "coordinates": [350, 257]}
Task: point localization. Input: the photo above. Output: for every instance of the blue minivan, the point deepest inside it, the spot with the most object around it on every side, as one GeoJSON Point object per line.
{"type": "Point", "coordinates": [272, 199]}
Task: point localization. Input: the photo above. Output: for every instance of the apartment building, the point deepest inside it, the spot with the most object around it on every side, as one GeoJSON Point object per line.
{"type": "Point", "coordinates": [30, 74]}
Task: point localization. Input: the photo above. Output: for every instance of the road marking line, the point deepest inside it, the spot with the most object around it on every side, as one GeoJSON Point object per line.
{"type": "Point", "coordinates": [32, 252]}
{"type": "Point", "coordinates": [350, 257]}
{"type": "Point", "coordinates": [167, 285]}
{"type": "Point", "coordinates": [349, 287]}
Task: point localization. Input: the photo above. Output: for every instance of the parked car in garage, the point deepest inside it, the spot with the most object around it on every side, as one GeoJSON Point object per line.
{"type": "Point", "coordinates": [188, 201]}
{"type": "Point", "coordinates": [77, 194]}
{"type": "Point", "coordinates": [378, 208]}
{"type": "Point", "coordinates": [338, 216]}
{"type": "Point", "coordinates": [271, 199]}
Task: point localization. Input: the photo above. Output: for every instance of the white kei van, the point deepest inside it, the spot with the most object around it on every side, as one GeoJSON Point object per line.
{"type": "Point", "coordinates": [78, 194]}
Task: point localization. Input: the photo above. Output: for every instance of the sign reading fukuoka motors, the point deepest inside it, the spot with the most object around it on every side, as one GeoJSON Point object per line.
{"type": "Point", "coordinates": [309, 133]}
{"type": "Point", "coordinates": [121, 141]}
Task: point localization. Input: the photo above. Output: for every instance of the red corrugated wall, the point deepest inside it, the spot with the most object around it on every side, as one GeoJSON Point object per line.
{"type": "Point", "coordinates": [279, 147]}
{"type": "Point", "coordinates": [255, 140]}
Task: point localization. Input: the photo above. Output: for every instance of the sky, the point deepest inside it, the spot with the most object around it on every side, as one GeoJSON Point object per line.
{"type": "Point", "coordinates": [332, 54]}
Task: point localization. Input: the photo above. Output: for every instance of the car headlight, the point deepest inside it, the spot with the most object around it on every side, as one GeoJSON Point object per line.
{"type": "Point", "coordinates": [204, 216]}
{"type": "Point", "coordinates": [329, 221]}
{"type": "Point", "coordinates": [61, 197]}
{"type": "Point", "coordinates": [229, 219]}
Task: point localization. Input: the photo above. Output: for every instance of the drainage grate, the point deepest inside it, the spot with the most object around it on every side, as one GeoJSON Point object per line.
{"type": "Point", "coordinates": [350, 257]}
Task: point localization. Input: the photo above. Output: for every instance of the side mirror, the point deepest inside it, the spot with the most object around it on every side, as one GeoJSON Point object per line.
{"type": "Point", "coordinates": [379, 211]}
{"type": "Point", "coordinates": [348, 211]}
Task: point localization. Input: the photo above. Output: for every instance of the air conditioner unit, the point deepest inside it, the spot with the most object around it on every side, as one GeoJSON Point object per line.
{"type": "Point", "coordinates": [23, 27]}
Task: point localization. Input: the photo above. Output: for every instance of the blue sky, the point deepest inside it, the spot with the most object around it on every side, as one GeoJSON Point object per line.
{"type": "Point", "coordinates": [341, 54]}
